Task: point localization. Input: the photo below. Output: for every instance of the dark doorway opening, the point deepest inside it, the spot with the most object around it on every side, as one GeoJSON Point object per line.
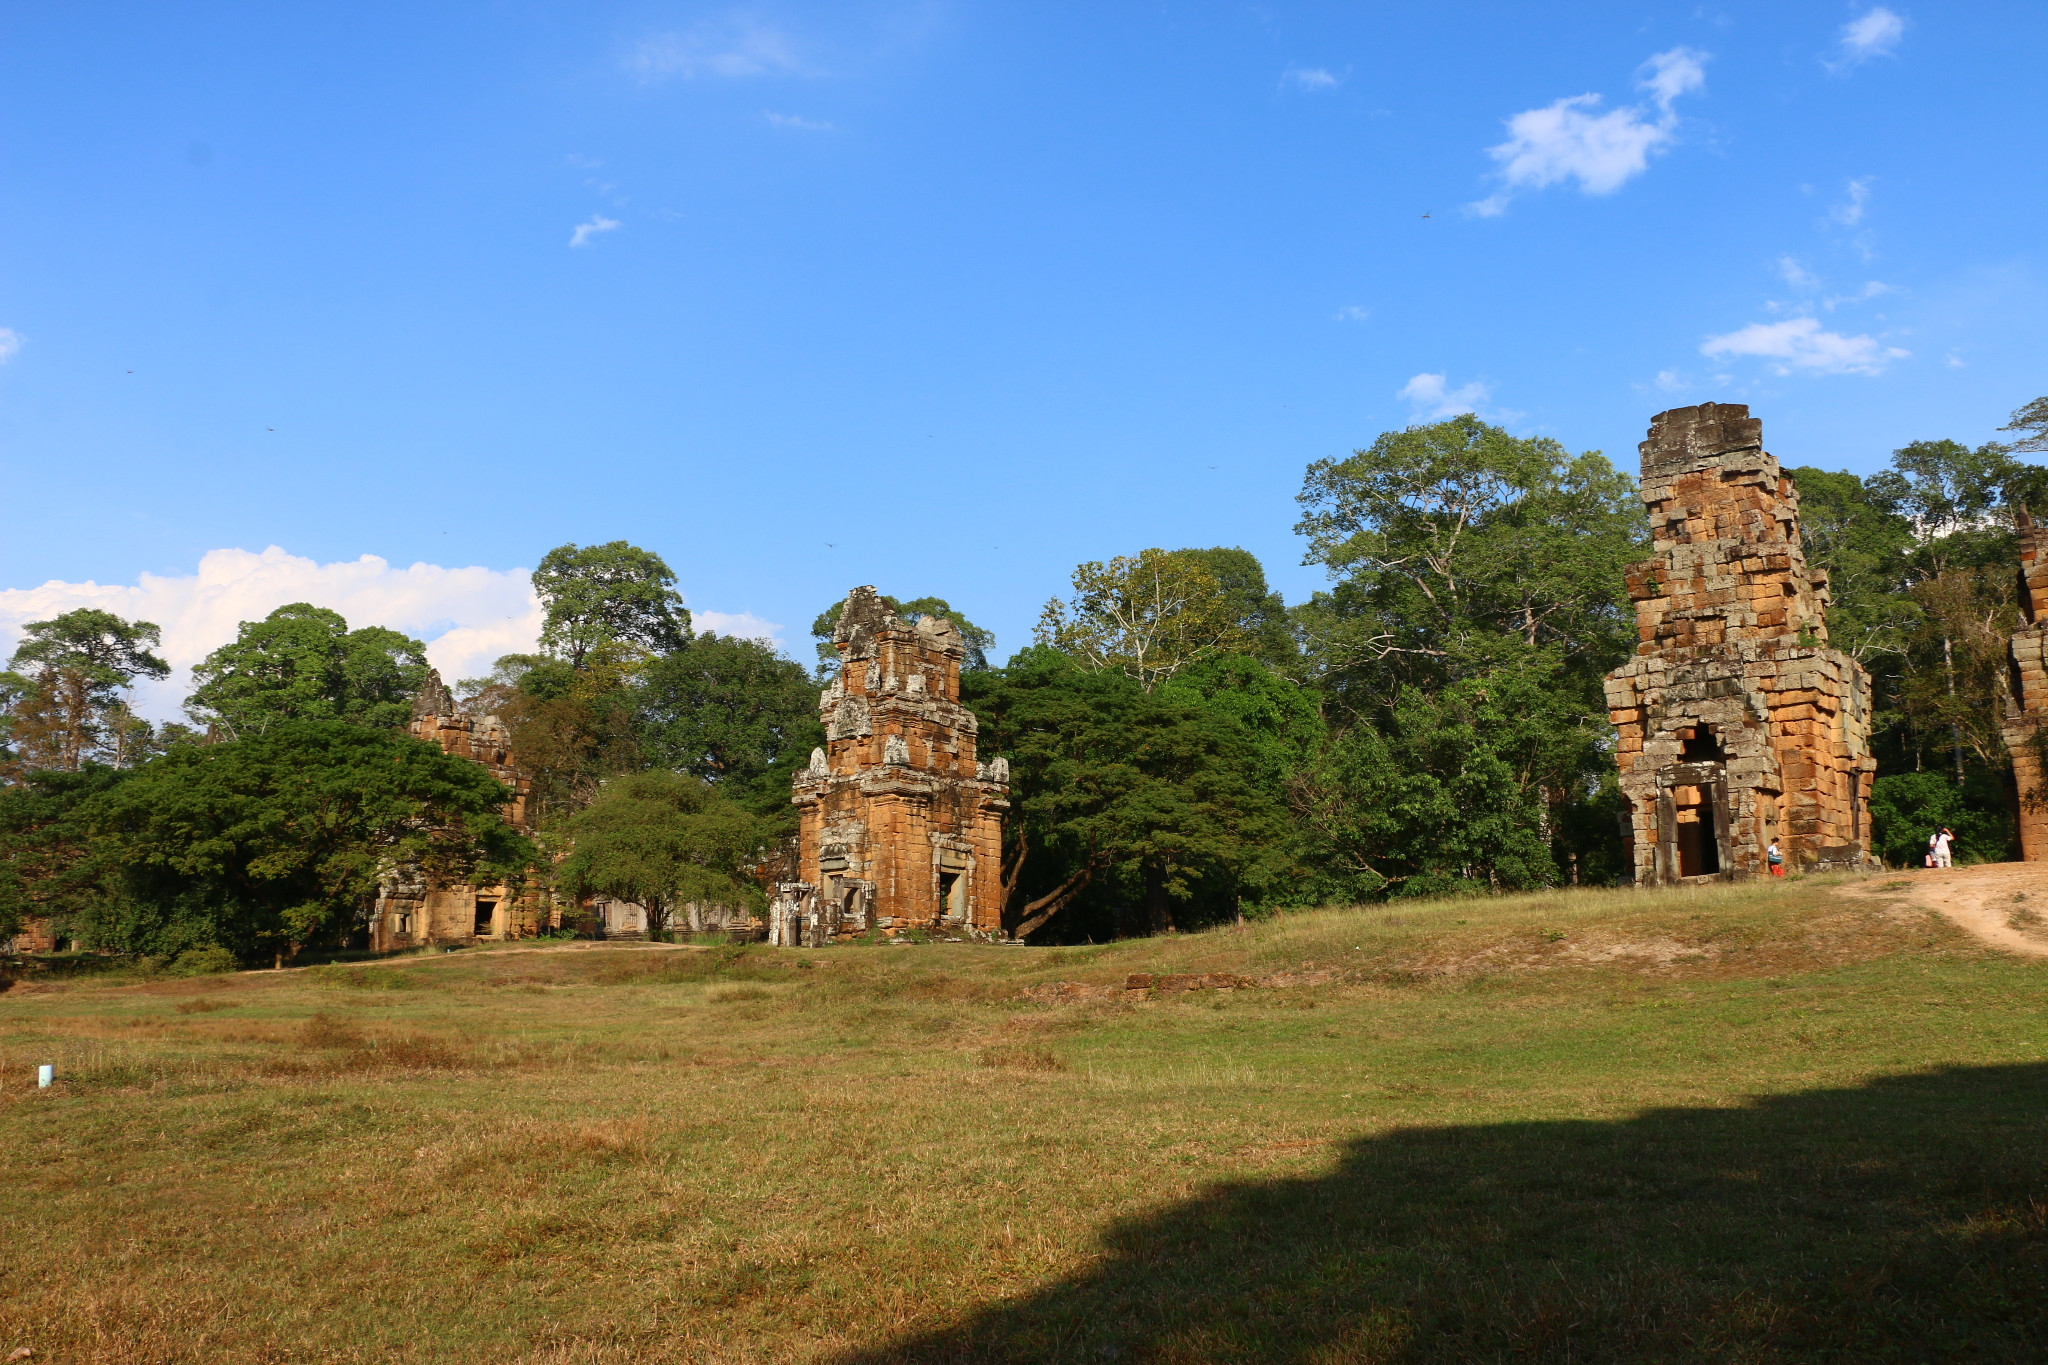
{"type": "Point", "coordinates": [951, 894]}
{"type": "Point", "coordinates": [1699, 851]}
{"type": "Point", "coordinates": [486, 912]}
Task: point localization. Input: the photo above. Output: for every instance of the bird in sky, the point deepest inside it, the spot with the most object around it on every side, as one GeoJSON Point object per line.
{"type": "Point", "coordinates": [1425, 215]}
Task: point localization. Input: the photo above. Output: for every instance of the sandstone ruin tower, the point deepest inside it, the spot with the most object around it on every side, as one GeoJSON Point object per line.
{"type": "Point", "coordinates": [413, 908]}
{"type": "Point", "coordinates": [902, 829]}
{"type": "Point", "coordinates": [2027, 708]}
{"type": "Point", "coordinates": [1737, 723]}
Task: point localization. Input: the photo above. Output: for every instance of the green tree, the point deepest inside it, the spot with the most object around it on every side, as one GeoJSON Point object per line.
{"type": "Point", "coordinates": [2031, 422]}
{"type": "Point", "coordinates": [1479, 600]}
{"type": "Point", "coordinates": [50, 865]}
{"type": "Point", "coordinates": [302, 662]}
{"type": "Point", "coordinates": [1456, 546]}
{"type": "Point", "coordinates": [660, 840]}
{"type": "Point", "coordinates": [1265, 631]}
{"type": "Point", "coordinates": [736, 714]}
{"type": "Point", "coordinates": [1147, 616]}
{"type": "Point", "coordinates": [610, 594]}
{"type": "Point", "coordinates": [571, 728]}
{"type": "Point", "coordinates": [976, 641]}
{"type": "Point", "coordinates": [276, 840]}
{"type": "Point", "coordinates": [71, 704]}
{"type": "Point", "coordinates": [1864, 546]}
{"type": "Point", "coordinates": [1158, 805]}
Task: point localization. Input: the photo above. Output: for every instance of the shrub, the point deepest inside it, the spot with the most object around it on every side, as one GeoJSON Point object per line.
{"type": "Point", "coordinates": [1905, 808]}
{"type": "Point", "coordinates": [212, 960]}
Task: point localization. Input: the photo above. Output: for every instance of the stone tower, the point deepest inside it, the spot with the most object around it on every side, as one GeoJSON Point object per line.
{"type": "Point", "coordinates": [2027, 708]}
{"type": "Point", "coordinates": [902, 829]}
{"type": "Point", "coordinates": [412, 908]}
{"type": "Point", "coordinates": [1737, 723]}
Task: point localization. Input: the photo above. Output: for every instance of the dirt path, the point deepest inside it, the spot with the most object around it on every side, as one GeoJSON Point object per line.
{"type": "Point", "coordinates": [2005, 904]}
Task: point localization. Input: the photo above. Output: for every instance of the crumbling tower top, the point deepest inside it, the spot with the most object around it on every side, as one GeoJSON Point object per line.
{"type": "Point", "coordinates": [1724, 521]}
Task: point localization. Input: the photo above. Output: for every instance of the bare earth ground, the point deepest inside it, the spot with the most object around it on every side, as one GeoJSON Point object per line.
{"type": "Point", "coordinates": [1778, 1122]}
{"type": "Point", "coordinates": [2004, 904]}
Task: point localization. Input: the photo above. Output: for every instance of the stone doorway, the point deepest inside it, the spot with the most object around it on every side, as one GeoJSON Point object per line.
{"type": "Point", "coordinates": [1699, 852]}
{"type": "Point", "coordinates": [486, 918]}
{"type": "Point", "coordinates": [953, 895]}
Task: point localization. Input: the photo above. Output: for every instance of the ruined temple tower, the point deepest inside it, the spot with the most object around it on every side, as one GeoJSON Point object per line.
{"type": "Point", "coordinates": [902, 828]}
{"type": "Point", "coordinates": [2027, 708]}
{"type": "Point", "coordinates": [413, 908]}
{"type": "Point", "coordinates": [1737, 724]}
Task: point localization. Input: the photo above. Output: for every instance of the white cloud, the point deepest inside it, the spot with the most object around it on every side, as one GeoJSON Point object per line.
{"type": "Point", "coordinates": [1431, 396]}
{"type": "Point", "coordinates": [1567, 140]}
{"type": "Point", "coordinates": [1800, 344]}
{"type": "Point", "coordinates": [1797, 275]}
{"type": "Point", "coordinates": [10, 344]}
{"type": "Point", "coordinates": [585, 231]}
{"type": "Point", "coordinates": [1871, 289]}
{"type": "Point", "coordinates": [1671, 381]}
{"type": "Point", "coordinates": [1850, 212]}
{"type": "Point", "coordinates": [468, 617]}
{"type": "Point", "coordinates": [744, 624]}
{"type": "Point", "coordinates": [733, 48]}
{"type": "Point", "coordinates": [1875, 34]}
{"type": "Point", "coordinates": [1312, 79]}
{"type": "Point", "coordinates": [797, 121]}
{"type": "Point", "coordinates": [1353, 313]}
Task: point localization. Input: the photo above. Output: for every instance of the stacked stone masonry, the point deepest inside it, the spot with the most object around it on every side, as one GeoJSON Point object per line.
{"type": "Point", "coordinates": [412, 909]}
{"type": "Point", "coordinates": [901, 825]}
{"type": "Point", "coordinates": [2027, 707]}
{"type": "Point", "coordinates": [1737, 725]}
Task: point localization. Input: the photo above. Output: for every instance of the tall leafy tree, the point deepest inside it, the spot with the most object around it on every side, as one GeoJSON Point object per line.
{"type": "Point", "coordinates": [734, 713]}
{"type": "Point", "coordinates": [572, 728]}
{"type": "Point", "coordinates": [2031, 425]}
{"type": "Point", "coordinates": [612, 594]}
{"type": "Point", "coordinates": [1455, 546]}
{"type": "Point", "coordinates": [1864, 546]}
{"type": "Point", "coordinates": [660, 840]}
{"type": "Point", "coordinates": [1154, 809]}
{"type": "Point", "coordinates": [302, 662]}
{"type": "Point", "coordinates": [1479, 599]}
{"type": "Point", "coordinates": [70, 703]}
{"type": "Point", "coordinates": [276, 840]}
{"type": "Point", "coordinates": [51, 867]}
{"type": "Point", "coordinates": [1146, 616]}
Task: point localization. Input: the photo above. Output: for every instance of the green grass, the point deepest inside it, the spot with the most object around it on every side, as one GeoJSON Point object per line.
{"type": "Point", "coordinates": [1779, 1122]}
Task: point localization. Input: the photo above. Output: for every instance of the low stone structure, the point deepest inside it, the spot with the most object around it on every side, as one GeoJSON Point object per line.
{"type": "Point", "coordinates": [901, 826]}
{"type": "Point", "coordinates": [413, 909]}
{"type": "Point", "coordinates": [2026, 708]}
{"type": "Point", "coordinates": [1737, 723]}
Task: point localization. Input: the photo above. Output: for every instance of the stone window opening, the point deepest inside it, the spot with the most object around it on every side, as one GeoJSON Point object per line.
{"type": "Point", "coordinates": [486, 914]}
{"type": "Point", "coordinates": [1702, 746]}
{"type": "Point", "coordinates": [404, 923]}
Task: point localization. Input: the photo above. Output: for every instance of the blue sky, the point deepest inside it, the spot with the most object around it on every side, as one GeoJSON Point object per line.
{"type": "Point", "coordinates": [943, 297]}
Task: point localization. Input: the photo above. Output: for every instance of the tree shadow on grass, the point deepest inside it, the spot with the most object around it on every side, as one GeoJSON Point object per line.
{"type": "Point", "coordinates": [1902, 1220]}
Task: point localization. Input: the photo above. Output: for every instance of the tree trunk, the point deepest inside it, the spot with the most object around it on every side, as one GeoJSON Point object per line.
{"type": "Point", "coordinates": [1955, 729]}
{"type": "Point", "coordinates": [1034, 915]}
{"type": "Point", "coordinates": [1158, 905]}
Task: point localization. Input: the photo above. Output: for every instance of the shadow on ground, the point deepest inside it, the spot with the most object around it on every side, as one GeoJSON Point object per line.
{"type": "Point", "coordinates": [1903, 1220]}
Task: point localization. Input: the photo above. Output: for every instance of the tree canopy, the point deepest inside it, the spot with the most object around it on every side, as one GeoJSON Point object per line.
{"type": "Point", "coordinates": [302, 662]}
{"type": "Point", "coordinates": [1149, 615]}
{"type": "Point", "coordinates": [276, 840]}
{"type": "Point", "coordinates": [610, 594]}
{"type": "Point", "coordinates": [661, 840]}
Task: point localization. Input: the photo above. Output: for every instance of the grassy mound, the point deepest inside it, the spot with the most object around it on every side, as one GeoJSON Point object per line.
{"type": "Point", "coordinates": [1797, 1121]}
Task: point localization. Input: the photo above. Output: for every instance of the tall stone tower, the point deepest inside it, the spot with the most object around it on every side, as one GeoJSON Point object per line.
{"type": "Point", "coordinates": [902, 829]}
{"type": "Point", "coordinates": [1738, 724]}
{"type": "Point", "coordinates": [2026, 710]}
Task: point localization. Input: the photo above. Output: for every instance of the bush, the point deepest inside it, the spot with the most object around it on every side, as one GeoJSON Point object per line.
{"type": "Point", "coordinates": [209, 961]}
{"type": "Point", "coordinates": [1905, 808]}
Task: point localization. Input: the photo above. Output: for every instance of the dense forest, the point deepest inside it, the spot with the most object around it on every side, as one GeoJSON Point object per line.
{"type": "Point", "coordinates": [1185, 747]}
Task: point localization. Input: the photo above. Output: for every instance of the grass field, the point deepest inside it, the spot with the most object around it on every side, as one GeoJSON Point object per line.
{"type": "Point", "coordinates": [1802, 1121]}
